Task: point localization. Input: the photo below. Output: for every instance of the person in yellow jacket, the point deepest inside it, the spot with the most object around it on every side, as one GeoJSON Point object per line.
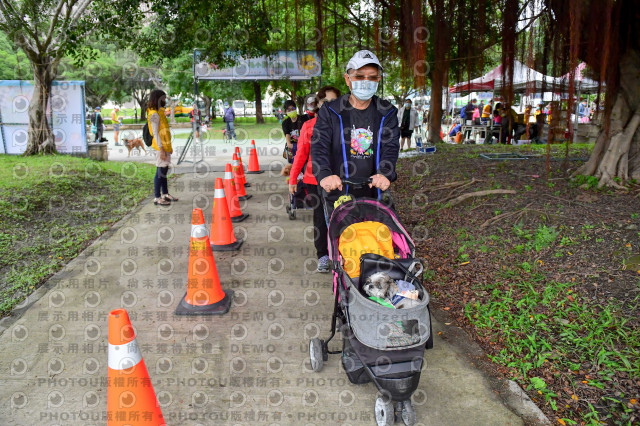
{"type": "Point", "coordinates": [486, 110]}
{"type": "Point", "coordinates": [115, 120]}
{"type": "Point", "coordinates": [159, 129]}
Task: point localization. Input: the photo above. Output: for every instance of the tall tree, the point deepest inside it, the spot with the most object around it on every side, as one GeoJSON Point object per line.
{"type": "Point", "coordinates": [102, 75]}
{"type": "Point", "coordinates": [46, 31]}
{"type": "Point", "coordinates": [610, 45]}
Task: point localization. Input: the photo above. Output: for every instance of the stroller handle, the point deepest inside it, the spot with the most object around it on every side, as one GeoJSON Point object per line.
{"type": "Point", "coordinates": [357, 183]}
{"type": "Point", "coordinates": [354, 183]}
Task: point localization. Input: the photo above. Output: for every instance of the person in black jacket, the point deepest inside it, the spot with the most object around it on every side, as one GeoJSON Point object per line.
{"type": "Point", "coordinates": [357, 135]}
{"type": "Point", "coordinates": [99, 123]}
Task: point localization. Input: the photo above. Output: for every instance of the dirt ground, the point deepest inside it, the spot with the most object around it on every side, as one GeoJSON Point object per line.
{"type": "Point", "coordinates": [551, 234]}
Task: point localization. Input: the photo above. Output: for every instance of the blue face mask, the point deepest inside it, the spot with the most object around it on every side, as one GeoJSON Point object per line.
{"type": "Point", "coordinates": [364, 89]}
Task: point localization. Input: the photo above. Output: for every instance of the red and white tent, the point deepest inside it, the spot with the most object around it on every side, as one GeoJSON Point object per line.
{"type": "Point", "coordinates": [525, 79]}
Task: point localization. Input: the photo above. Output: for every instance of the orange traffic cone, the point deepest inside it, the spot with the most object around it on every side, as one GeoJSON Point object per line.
{"type": "Point", "coordinates": [222, 237]}
{"type": "Point", "coordinates": [232, 196]}
{"type": "Point", "coordinates": [254, 165]}
{"type": "Point", "coordinates": [241, 169]}
{"type": "Point", "coordinates": [204, 294]}
{"type": "Point", "coordinates": [237, 177]}
{"type": "Point", "coordinates": [130, 394]}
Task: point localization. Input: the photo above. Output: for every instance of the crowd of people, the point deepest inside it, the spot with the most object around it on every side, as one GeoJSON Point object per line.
{"type": "Point", "coordinates": [352, 136]}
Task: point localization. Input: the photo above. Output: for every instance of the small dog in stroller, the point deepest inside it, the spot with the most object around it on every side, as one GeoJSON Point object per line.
{"type": "Point", "coordinates": [380, 285]}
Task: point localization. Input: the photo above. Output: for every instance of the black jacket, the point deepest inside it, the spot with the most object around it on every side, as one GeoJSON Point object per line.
{"type": "Point", "coordinates": [331, 140]}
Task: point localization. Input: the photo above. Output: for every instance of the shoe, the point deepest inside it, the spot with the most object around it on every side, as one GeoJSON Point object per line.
{"type": "Point", "coordinates": [168, 197]}
{"type": "Point", "coordinates": [323, 264]}
{"type": "Point", "coordinates": [161, 202]}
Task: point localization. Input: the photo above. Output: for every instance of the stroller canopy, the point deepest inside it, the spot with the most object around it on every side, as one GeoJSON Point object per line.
{"type": "Point", "coordinates": [366, 209]}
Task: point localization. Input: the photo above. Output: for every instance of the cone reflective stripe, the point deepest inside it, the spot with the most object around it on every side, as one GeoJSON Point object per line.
{"type": "Point", "coordinates": [243, 180]}
{"type": "Point", "coordinates": [130, 395]}
{"type": "Point", "coordinates": [204, 293]}
{"type": "Point", "coordinates": [254, 165]}
{"type": "Point", "coordinates": [222, 236]}
{"type": "Point", "coordinates": [232, 196]}
{"type": "Point", "coordinates": [242, 194]}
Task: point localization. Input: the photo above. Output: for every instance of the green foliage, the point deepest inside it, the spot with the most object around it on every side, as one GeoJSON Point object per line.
{"type": "Point", "coordinates": [31, 211]}
{"type": "Point", "coordinates": [557, 329]}
{"type": "Point", "coordinates": [14, 64]}
{"type": "Point", "coordinates": [103, 75]}
{"type": "Point", "coordinates": [542, 238]}
{"type": "Point", "coordinates": [589, 182]}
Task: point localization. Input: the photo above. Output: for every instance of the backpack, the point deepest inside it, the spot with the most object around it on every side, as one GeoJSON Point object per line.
{"type": "Point", "coordinates": [94, 126]}
{"type": "Point", "coordinates": [228, 115]}
{"type": "Point", "coordinates": [146, 135]}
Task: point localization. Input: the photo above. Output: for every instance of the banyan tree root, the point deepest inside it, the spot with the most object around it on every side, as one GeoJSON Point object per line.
{"type": "Point", "coordinates": [464, 197]}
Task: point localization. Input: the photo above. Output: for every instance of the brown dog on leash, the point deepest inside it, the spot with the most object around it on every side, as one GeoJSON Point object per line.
{"type": "Point", "coordinates": [134, 143]}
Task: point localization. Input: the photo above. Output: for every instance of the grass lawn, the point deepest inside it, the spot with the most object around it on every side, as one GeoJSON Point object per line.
{"type": "Point", "coordinates": [52, 207]}
{"type": "Point", "coordinates": [546, 280]}
{"type": "Point", "coordinates": [246, 128]}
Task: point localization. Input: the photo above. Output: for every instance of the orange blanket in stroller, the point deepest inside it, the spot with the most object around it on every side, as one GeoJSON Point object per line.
{"type": "Point", "coordinates": [361, 238]}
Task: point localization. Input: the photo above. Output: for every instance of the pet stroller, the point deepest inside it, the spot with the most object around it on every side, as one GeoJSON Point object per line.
{"type": "Point", "coordinates": [298, 201]}
{"type": "Point", "coordinates": [379, 343]}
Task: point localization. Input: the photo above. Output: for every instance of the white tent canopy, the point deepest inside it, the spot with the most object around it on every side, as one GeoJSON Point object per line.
{"type": "Point", "coordinates": [525, 79]}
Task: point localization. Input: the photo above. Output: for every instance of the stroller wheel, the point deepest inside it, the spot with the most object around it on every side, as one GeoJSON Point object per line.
{"type": "Point", "coordinates": [385, 415]}
{"type": "Point", "coordinates": [315, 353]}
{"type": "Point", "coordinates": [408, 413]}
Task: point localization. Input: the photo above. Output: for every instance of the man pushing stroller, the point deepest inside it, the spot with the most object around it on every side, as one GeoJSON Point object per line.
{"type": "Point", "coordinates": [372, 125]}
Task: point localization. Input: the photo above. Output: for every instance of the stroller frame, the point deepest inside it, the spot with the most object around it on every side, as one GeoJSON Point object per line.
{"type": "Point", "coordinates": [399, 388]}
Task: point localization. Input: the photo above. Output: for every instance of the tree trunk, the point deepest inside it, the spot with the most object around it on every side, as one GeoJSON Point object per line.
{"type": "Point", "coordinates": [617, 154]}
{"type": "Point", "coordinates": [258, 94]}
{"type": "Point", "coordinates": [207, 107]}
{"type": "Point", "coordinates": [172, 106]}
{"type": "Point", "coordinates": [294, 94]}
{"type": "Point", "coordinates": [435, 109]}
{"type": "Point", "coordinates": [142, 101]}
{"type": "Point", "coordinates": [438, 73]}
{"type": "Point", "coordinates": [41, 139]}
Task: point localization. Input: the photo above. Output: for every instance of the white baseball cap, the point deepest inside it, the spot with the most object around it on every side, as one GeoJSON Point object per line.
{"type": "Point", "coordinates": [362, 58]}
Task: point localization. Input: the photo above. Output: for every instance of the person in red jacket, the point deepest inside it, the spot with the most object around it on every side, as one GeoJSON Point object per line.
{"type": "Point", "coordinates": [302, 161]}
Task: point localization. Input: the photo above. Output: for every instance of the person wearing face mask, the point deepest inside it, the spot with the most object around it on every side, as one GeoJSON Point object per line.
{"type": "Point", "coordinates": [325, 95]}
{"type": "Point", "coordinates": [408, 118]}
{"type": "Point", "coordinates": [159, 129]}
{"type": "Point", "coordinates": [291, 127]}
{"type": "Point", "coordinates": [357, 135]}
{"type": "Point", "coordinates": [311, 105]}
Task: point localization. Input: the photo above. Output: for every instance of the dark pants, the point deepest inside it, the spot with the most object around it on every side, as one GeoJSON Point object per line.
{"type": "Point", "coordinates": [160, 181]}
{"type": "Point", "coordinates": [319, 223]}
{"type": "Point", "coordinates": [98, 134]}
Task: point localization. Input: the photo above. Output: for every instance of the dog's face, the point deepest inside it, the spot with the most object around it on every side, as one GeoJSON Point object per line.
{"type": "Point", "coordinates": [380, 285]}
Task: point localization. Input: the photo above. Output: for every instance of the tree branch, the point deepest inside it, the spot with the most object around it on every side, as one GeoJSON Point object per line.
{"type": "Point", "coordinates": [70, 20]}
{"type": "Point", "coordinates": [7, 9]}
{"type": "Point", "coordinates": [54, 21]}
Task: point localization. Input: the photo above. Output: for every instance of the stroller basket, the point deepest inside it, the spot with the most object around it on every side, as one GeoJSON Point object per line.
{"type": "Point", "coordinates": [385, 328]}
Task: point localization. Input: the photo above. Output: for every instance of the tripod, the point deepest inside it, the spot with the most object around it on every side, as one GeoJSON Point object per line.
{"type": "Point", "coordinates": [184, 152]}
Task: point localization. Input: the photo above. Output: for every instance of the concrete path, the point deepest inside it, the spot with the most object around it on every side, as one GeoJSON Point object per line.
{"type": "Point", "coordinates": [248, 367]}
